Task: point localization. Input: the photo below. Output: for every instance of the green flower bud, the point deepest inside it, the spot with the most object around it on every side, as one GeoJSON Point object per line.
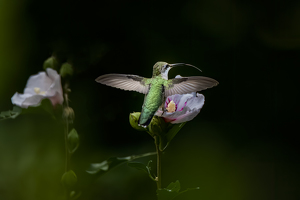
{"type": "Point", "coordinates": [158, 127]}
{"type": "Point", "coordinates": [66, 70]}
{"type": "Point", "coordinates": [69, 179]}
{"type": "Point", "coordinates": [134, 120]}
{"type": "Point", "coordinates": [68, 114]}
{"type": "Point", "coordinates": [51, 62]}
{"type": "Point", "coordinates": [73, 140]}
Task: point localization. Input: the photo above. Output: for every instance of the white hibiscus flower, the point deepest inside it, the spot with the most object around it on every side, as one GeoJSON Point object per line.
{"type": "Point", "coordinates": [39, 87]}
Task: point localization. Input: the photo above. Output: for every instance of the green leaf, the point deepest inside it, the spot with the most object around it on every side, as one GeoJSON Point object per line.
{"type": "Point", "coordinates": [11, 114]}
{"type": "Point", "coordinates": [103, 167]}
{"type": "Point", "coordinates": [73, 141]}
{"type": "Point", "coordinates": [172, 191]}
{"type": "Point", "coordinates": [143, 167]}
{"type": "Point", "coordinates": [173, 129]}
{"type": "Point", "coordinates": [138, 166]}
{"type": "Point", "coordinates": [174, 187]}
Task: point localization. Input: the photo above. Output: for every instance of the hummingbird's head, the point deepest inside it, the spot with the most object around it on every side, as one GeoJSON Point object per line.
{"type": "Point", "coordinates": [162, 68]}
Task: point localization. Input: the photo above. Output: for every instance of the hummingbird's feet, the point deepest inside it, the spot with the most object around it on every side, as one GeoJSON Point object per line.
{"type": "Point", "coordinates": [164, 110]}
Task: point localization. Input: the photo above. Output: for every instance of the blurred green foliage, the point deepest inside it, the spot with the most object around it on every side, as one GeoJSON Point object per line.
{"type": "Point", "coordinates": [242, 145]}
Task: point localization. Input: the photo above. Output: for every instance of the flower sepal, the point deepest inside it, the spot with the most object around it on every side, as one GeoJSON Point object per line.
{"type": "Point", "coordinates": [134, 121]}
{"type": "Point", "coordinates": [158, 127]}
{"type": "Point", "coordinates": [165, 131]}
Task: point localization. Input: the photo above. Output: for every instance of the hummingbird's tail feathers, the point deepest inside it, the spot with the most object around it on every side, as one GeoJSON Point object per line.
{"type": "Point", "coordinates": [125, 82]}
{"type": "Point", "coordinates": [145, 117]}
{"type": "Point", "coordinates": [186, 85]}
{"type": "Point", "coordinates": [183, 64]}
{"type": "Point", "coordinates": [144, 125]}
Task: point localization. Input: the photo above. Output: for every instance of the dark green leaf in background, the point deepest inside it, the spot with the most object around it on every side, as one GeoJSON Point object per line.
{"type": "Point", "coordinates": [143, 167]}
{"type": "Point", "coordinates": [172, 191]}
{"type": "Point", "coordinates": [103, 167]}
{"type": "Point", "coordinates": [172, 130]}
{"type": "Point", "coordinates": [11, 114]}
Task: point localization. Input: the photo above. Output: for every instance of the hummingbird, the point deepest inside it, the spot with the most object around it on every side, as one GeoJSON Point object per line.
{"type": "Point", "coordinates": [157, 88]}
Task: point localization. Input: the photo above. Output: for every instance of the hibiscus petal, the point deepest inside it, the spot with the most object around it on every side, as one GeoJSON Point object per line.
{"type": "Point", "coordinates": [34, 100]}
{"type": "Point", "coordinates": [196, 102]}
{"type": "Point", "coordinates": [183, 101]}
{"type": "Point", "coordinates": [188, 116]}
{"type": "Point", "coordinates": [25, 100]}
{"type": "Point", "coordinates": [188, 107]}
{"type": "Point", "coordinates": [41, 80]}
{"type": "Point", "coordinates": [38, 87]}
{"type": "Point", "coordinates": [55, 90]}
{"type": "Point", "coordinates": [170, 117]}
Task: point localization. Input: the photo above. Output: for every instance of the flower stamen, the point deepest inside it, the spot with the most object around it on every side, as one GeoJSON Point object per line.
{"type": "Point", "coordinates": [171, 107]}
{"type": "Point", "coordinates": [37, 90]}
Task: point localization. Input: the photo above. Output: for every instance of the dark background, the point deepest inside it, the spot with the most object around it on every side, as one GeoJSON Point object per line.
{"type": "Point", "coordinates": [242, 145]}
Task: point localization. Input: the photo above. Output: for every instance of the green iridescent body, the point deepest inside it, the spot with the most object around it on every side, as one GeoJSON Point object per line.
{"type": "Point", "coordinates": [153, 100]}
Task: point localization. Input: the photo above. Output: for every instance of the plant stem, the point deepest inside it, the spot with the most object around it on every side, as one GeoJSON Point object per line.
{"type": "Point", "coordinates": [66, 123]}
{"type": "Point", "coordinates": [67, 154]}
{"type": "Point", "coordinates": [159, 153]}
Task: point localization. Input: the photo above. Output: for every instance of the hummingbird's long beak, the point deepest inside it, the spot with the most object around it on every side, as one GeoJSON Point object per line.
{"type": "Point", "coordinates": [183, 64]}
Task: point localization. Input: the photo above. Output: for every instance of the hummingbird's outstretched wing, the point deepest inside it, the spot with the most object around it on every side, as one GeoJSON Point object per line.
{"type": "Point", "coordinates": [184, 85]}
{"type": "Point", "coordinates": [125, 82]}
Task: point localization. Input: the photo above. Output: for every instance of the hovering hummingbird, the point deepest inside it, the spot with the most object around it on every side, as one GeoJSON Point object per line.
{"type": "Point", "coordinates": [157, 88]}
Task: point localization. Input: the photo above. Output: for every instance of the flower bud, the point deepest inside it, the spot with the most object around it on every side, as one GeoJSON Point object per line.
{"type": "Point", "coordinates": [73, 141]}
{"type": "Point", "coordinates": [68, 114]}
{"type": "Point", "coordinates": [51, 62]}
{"type": "Point", "coordinates": [66, 70]}
{"type": "Point", "coordinates": [69, 179]}
{"type": "Point", "coordinates": [134, 120]}
{"type": "Point", "coordinates": [157, 126]}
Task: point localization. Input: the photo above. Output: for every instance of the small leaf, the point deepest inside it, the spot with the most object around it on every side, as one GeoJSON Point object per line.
{"type": "Point", "coordinates": [139, 166]}
{"type": "Point", "coordinates": [143, 167]}
{"type": "Point", "coordinates": [103, 167]}
{"type": "Point", "coordinates": [172, 191]}
{"type": "Point", "coordinates": [173, 129]}
{"type": "Point", "coordinates": [11, 114]}
{"type": "Point", "coordinates": [174, 187]}
{"type": "Point", "coordinates": [73, 141]}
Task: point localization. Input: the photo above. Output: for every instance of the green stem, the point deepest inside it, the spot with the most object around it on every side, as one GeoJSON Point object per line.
{"type": "Point", "coordinates": [67, 153]}
{"type": "Point", "coordinates": [159, 153]}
